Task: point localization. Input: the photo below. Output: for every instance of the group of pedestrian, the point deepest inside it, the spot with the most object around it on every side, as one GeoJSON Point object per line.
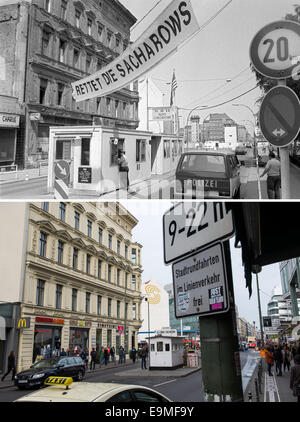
{"type": "Point", "coordinates": [283, 355]}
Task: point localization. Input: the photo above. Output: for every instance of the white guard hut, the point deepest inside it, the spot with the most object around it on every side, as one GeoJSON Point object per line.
{"type": "Point", "coordinates": [166, 350]}
{"type": "Point", "coordinates": [90, 158]}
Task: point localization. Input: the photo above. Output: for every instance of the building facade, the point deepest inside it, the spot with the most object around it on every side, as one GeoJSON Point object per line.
{"type": "Point", "coordinates": [76, 274]}
{"type": "Point", "coordinates": [214, 128]}
{"type": "Point", "coordinates": [54, 43]}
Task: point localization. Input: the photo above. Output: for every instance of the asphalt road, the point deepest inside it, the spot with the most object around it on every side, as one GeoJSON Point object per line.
{"type": "Point", "coordinates": [185, 389]}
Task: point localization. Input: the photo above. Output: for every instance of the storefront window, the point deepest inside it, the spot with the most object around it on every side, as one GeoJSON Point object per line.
{"type": "Point", "coordinates": [109, 337]}
{"type": "Point", "coordinates": [116, 145]}
{"type": "Point", "coordinates": [160, 346]}
{"type": "Point", "coordinates": [98, 340]}
{"type": "Point", "coordinates": [79, 339]}
{"type": "Point", "coordinates": [47, 342]}
{"type": "Point", "coordinates": [85, 152]}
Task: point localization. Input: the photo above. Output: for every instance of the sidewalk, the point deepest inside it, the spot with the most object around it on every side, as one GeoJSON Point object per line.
{"type": "Point", "coordinates": [28, 174]}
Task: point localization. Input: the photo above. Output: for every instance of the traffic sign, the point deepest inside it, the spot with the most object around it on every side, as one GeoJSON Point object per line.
{"type": "Point", "coordinates": [267, 321]}
{"type": "Point", "coordinates": [279, 116]}
{"type": "Point", "coordinates": [275, 49]}
{"type": "Point", "coordinates": [62, 169]}
{"type": "Point", "coordinates": [189, 226]}
{"type": "Point", "coordinates": [200, 283]}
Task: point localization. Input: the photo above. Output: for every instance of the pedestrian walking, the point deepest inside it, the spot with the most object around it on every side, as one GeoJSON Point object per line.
{"type": "Point", "coordinates": [133, 354]}
{"type": "Point", "coordinates": [144, 357]}
{"type": "Point", "coordinates": [11, 366]}
{"type": "Point", "coordinates": [269, 359]}
{"type": "Point", "coordinates": [63, 352]}
{"type": "Point", "coordinates": [273, 169]}
{"type": "Point", "coordinates": [93, 359]}
{"type": "Point", "coordinates": [102, 360]}
{"type": "Point", "coordinates": [106, 355]}
{"type": "Point", "coordinates": [287, 357]}
{"type": "Point", "coordinates": [113, 354]}
{"type": "Point", "coordinates": [121, 354]}
{"type": "Point", "coordinates": [278, 360]}
{"type": "Point", "coordinates": [123, 166]}
{"type": "Point", "coordinates": [295, 378]}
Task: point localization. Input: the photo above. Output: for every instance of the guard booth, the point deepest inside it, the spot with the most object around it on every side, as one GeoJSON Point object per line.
{"type": "Point", "coordinates": [166, 352]}
{"type": "Point", "coordinates": [86, 158]}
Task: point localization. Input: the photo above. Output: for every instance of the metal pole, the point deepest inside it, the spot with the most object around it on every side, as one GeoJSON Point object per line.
{"type": "Point", "coordinates": [148, 333]}
{"type": "Point", "coordinates": [125, 327]}
{"type": "Point", "coordinates": [285, 164]}
{"type": "Point", "coordinates": [260, 317]}
{"type": "Point", "coordinates": [147, 83]}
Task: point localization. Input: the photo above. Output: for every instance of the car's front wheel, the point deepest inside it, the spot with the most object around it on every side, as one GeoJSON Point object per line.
{"type": "Point", "coordinates": [80, 376]}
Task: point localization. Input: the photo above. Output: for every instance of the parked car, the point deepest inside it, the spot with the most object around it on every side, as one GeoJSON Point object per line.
{"type": "Point", "coordinates": [63, 366]}
{"type": "Point", "coordinates": [96, 392]}
{"type": "Point", "coordinates": [208, 174]}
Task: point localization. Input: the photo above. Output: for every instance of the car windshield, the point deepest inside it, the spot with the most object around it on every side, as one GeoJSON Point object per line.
{"type": "Point", "coordinates": [205, 163]}
{"type": "Point", "coordinates": [47, 363]}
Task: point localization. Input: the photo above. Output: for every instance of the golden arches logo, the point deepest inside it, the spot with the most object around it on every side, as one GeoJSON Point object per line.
{"type": "Point", "coordinates": [153, 294]}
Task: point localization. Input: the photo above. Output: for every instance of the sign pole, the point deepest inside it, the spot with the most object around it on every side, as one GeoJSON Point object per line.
{"type": "Point", "coordinates": [285, 164]}
{"type": "Point", "coordinates": [221, 368]}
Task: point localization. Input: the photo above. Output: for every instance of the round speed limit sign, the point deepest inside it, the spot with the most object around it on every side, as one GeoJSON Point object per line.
{"type": "Point", "coordinates": [275, 49]}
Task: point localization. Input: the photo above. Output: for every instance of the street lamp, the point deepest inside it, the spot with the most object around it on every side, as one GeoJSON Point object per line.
{"type": "Point", "coordinates": [255, 146]}
{"type": "Point", "coordinates": [149, 346]}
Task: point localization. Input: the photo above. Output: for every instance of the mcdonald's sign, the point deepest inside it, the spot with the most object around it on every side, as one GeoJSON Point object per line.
{"type": "Point", "coordinates": [23, 323]}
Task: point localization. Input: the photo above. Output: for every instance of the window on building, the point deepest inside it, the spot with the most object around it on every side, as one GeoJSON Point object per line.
{"type": "Point", "coordinates": [99, 268]}
{"type": "Point", "coordinates": [87, 302]}
{"type": "Point", "coordinates": [45, 206]}
{"type": "Point", "coordinates": [63, 150]}
{"type": "Point", "coordinates": [116, 146]}
{"type": "Point", "coordinates": [74, 300]}
{"type": "Point", "coordinates": [76, 55]}
{"type": "Point", "coordinates": [118, 276]}
{"type": "Point", "coordinates": [88, 263]}
{"type": "Point", "coordinates": [98, 105]}
{"type": "Point", "coordinates": [140, 151]}
{"type": "Point", "coordinates": [40, 289]}
{"type": "Point", "coordinates": [110, 241]}
{"type": "Point", "coordinates": [108, 105]}
{"type": "Point", "coordinates": [124, 110]}
{"type": "Point", "coordinates": [109, 268]}
{"type": "Point", "coordinates": [126, 311]}
{"type": "Point", "coordinates": [109, 307]}
{"type": "Point", "coordinates": [99, 302]}
{"type": "Point", "coordinates": [117, 42]}
{"type": "Point", "coordinates": [126, 280]}
{"type": "Point", "coordinates": [160, 346]}
{"type": "Point", "coordinates": [43, 90]}
{"type": "Point", "coordinates": [100, 235]}
{"type": "Point", "coordinates": [118, 247]}
{"type": "Point", "coordinates": [108, 38]}
{"type": "Point", "coordinates": [62, 211]}
{"type": "Point", "coordinates": [133, 282]}
{"type": "Point", "coordinates": [90, 26]}
{"type": "Point", "coordinates": [60, 94]}
{"type": "Point", "coordinates": [118, 309]}
{"type": "Point", "coordinates": [58, 296]}
{"type": "Point", "coordinates": [75, 258]}
{"type": "Point", "coordinates": [133, 256]}
{"type": "Point", "coordinates": [45, 43]}
{"type": "Point", "coordinates": [99, 65]}
{"type": "Point", "coordinates": [134, 311]}
{"type": "Point", "coordinates": [100, 31]}
{"type": "Point", "coordinates": [63, 9]}
{"type": "Point", "coordinates": [77, 18]}
{"type": "Point", "coordinates": [126, 251]}
{"type": "Point", "coordinates": [167, 347]}
{"type": "Point", "coordinates": [62, 50]}
{"type": "Point", "coordinates": [43, 244]}
{"type": "Point", "coordinates": [88, 63]}
{"type": "Point", "coordinates": [60, 252]}
{"type": "Point", "coordinates": [117, 108]}
{"type": "Point", "coordinates": [48, 6]}
{"type": "Point", "coordinates": [89, 228]}
{"type": "Point", "coordinates": [76, 220]}
{"type": "Point", "coordinates": [166, 149]}
{"type": "Point", "coordinates": [85, 151]}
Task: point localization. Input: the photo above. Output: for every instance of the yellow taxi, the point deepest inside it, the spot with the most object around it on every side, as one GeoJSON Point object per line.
{"type": "Point", "coordinates": [62, 389]}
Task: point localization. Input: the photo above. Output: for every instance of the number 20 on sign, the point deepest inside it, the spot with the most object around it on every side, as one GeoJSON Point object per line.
{"type": "Point", "coordinates": [275, 49]}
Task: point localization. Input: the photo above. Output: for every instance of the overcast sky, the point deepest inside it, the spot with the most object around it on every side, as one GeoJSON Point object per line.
{"type": "Point", "coordinates": [149, 233]}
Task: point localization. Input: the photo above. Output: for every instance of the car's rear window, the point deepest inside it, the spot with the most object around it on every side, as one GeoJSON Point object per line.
{"type": "Point", "coordinates": [205, 163]}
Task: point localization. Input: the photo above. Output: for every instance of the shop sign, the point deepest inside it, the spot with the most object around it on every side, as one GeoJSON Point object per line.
{"type": "Point", "coordinates": [120, 329]}
{"type": "Point", "coordinates": [50, 320]}
{"type": "Point", "coordinates": [85, 175]}
{"type": "Point", "coordinates": [101, 325]}
{"type": "Point", "coordinates": [23, 323]}
{"type": "Point", "coordinates": [9, 120]}
{"type": "Point", "coordinates": [77, 323]}
{"type": "Point", "coordinates": [162, 113]}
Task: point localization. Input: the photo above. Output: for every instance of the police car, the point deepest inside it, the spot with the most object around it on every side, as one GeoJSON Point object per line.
{"type": "Point", "coordinates": [61, 389]}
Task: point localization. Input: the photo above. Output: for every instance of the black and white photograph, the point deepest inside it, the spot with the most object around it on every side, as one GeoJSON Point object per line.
{"type": "Point", "coordinates": [149, 199]}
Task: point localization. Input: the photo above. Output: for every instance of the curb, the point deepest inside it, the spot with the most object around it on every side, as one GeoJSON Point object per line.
{"type": "Point", "coordinates": [7, 182]}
